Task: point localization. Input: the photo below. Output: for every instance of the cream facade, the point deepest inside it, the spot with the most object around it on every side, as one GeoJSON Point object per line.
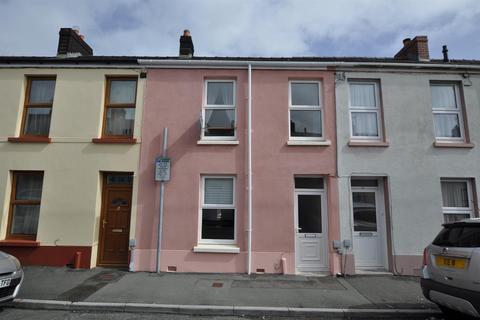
{"type": "Point", "coordinates": [72, 165]}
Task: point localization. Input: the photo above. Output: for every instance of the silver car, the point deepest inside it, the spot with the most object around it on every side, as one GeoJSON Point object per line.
{"type": "Point", "coordinates": [11, 277]}
{"type": "Point", "coordinates": [450, 276]}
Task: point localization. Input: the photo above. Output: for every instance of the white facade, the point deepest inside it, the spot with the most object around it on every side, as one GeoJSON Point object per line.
{"type": "Point", "coordinates": [407, 159]}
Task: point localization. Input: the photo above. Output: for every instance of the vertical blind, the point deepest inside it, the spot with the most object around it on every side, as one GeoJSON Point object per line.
{"type": "Point", "coordinates": [455, 194]}
{"type": "Point", "coordinates": [443, 97]}
{"type": "Point", "coordinates": [362, 95]}
{"type": "Point", "coordinates": [218, 191]}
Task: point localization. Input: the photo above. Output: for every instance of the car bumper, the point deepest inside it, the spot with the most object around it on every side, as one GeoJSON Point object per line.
{"type": "Point", "coordinates": [9, 293]}
{"type": "Point", "coordinates": [466, 301]}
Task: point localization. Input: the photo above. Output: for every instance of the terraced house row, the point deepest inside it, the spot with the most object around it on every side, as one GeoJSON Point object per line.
{"type": "Point", "coordinates": [278, 165]}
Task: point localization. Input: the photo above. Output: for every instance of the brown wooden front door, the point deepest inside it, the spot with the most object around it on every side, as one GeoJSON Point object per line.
{"type": "Point", "coordinates": [115, 219]}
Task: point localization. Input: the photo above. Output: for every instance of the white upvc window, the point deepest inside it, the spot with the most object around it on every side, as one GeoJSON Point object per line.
{"type": "Point", "coordinates": [447, 112]}
{"type": "Point", "coordinates": [306, 111]}
{"type": "Point", "coordinates": [457, 199]}
{"type": "Point", "coordinates": [219, 112]}
{"type": "Point", "coordinates": [218, 212]}
{"type": "Point", "coordinates": [364, 109]}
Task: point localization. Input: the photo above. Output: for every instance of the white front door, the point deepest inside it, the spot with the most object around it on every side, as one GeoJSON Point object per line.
{"type": "Point", "coordinates": [311, 231]}
{"type": "Point", "coordinates": [369, 228]}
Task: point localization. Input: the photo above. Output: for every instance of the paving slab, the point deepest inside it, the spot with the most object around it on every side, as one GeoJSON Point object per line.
{"type": "Point", "coordinates": [385, 291]}
{"type": "Point", "coordinates": [50, 282]}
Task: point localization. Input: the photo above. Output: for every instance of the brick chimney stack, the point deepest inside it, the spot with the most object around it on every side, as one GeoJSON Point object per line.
{"type": "Point", "coordinates": [416, 49]}
{"type": "Point", "coordinates": [72, 44]}
{"type": "Point", "coordinates": [186, 45]}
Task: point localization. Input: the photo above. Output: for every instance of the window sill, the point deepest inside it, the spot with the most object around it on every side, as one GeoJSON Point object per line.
{"type": "Point", "coordinates": [19, 243]}
{"type": "Point", "coordinates": [382, 144]}
{"type": "Point", "coordinates": [30, 139]}
{"type": "Point", "coordinates": [115, 140]}
{"type": "Point", "coordinates": [438, 144]}
{"type": "Point", "coordinates": [308, 143]}
{"type": "Point", "coordinates": [218, 142]}
{"type": "Point", "coordinates": [216, 248]}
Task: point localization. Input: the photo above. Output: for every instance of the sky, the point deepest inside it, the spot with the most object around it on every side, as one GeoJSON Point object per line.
{"type": "Point", "coordinates": [267, 28]}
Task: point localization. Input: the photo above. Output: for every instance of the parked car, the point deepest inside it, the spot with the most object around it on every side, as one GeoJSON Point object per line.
{"type": "Point", "coordinates": [450, 276]}
{"type": "Point", "coordinates": [11, 277]}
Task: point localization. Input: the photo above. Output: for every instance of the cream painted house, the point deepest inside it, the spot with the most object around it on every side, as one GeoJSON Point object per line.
{"type": "Point", "coordinates": [69, 153]}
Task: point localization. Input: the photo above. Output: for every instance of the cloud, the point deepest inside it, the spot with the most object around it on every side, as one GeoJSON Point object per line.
{"type": "Point", "coordinates": [243, 28]}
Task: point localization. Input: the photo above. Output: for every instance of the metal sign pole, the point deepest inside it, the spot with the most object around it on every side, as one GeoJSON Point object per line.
{"type": "Point", "coordinates": [162, 192]}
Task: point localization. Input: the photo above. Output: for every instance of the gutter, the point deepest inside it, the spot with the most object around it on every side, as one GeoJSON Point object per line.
{"type": "Point", "coordinates": [243, 64]}
{"type": "Point", "coordinates": [68, 66]}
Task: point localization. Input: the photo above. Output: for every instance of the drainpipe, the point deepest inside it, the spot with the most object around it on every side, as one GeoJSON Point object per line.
{"type": "Point", "coordinates": [249, 169]}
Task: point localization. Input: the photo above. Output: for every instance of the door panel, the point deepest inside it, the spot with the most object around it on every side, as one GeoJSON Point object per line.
{"type": "Point", "coordinates": [368, 228]}
{"type": "Point", "coordinates": [115, 225]}
{"type": "Point", "coordinates": [311, 255]}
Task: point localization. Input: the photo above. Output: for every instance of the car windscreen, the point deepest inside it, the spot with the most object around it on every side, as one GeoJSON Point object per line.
{"type": "Point", "coordinates": [458, 236]}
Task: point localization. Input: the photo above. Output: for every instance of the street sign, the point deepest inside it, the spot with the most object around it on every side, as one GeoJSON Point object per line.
{"type": "Point", "coordinates": [162, 169]}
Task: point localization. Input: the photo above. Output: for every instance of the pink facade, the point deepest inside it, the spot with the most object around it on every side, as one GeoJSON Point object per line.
{"type": "Point", "coordinates": [174, 99]}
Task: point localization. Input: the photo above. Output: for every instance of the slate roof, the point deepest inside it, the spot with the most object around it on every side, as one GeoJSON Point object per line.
{"type": "Point", "coordinates": [132, 60]}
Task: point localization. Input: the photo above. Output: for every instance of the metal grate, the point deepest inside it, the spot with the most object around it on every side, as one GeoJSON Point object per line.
{"type": "Point", "coordinates": [8, 291]}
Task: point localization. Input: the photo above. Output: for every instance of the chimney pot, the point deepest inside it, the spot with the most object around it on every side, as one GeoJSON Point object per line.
{"type": "Point", "coordinates": [445, 53]}
{"type": "Point", "coordinates": [406, 41]}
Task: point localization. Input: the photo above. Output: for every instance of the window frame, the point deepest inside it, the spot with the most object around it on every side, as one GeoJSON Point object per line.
{"type": "Point", "coordinates": [306, 108]}
{"type": "Point", "coordinates": [458, 111]}
{"type": "Point", "coordinates": [459, 210]}
{"type": "Point", "coordinates": [217, 206]}
{"type": "Point", "coordinates": [206, 106]}
{"type": "Point", "coordinates": [357, 109]}
{"type": "Point", "coordinates": [27, 105]}
{"type": "Point", "coordinates": [108, 105]}
{"type": "Point", "coordinates": [13, 202]}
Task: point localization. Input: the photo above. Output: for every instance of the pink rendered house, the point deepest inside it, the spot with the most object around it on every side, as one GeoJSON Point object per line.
{"type": "Point", "coordinates": [292, 165]}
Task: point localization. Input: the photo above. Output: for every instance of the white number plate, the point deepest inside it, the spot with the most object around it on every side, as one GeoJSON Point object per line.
{"type": "Point", "coordinates": [5, 282]}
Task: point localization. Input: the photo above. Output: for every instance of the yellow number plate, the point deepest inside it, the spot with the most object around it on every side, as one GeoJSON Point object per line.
{"type": "Point", "coordinates": [456, 263]}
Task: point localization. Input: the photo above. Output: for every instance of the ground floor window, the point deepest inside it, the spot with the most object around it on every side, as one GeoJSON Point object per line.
{"type": "Point", "coordinates": [218, 209]}
{"type": "Point", "coordinates": [25, 204]}
{"type": "Point", "coordinates": [457, 199]}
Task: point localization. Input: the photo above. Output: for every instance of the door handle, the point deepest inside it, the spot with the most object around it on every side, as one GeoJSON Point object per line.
{"type": "Point", "coordinates": [104, 223]}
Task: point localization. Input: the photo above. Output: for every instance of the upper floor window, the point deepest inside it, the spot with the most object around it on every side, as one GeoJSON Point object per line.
{"type": "Point", "coordinates": [306, 118]}
{"type": "Point", "coordinates": [25, 204]}
{"type": "Point", "coordinates": [38, 106]}
{"type": "Point", "coordinates": [447, 111]}
{"type": "Point", "coordinates": [457, 199]}
{"type": "Point", "coordinates": [120, 107]}
{"type": "Point", "coordinates": [364, 107]}
{"type": "Point", "coordinates": [218, 112]}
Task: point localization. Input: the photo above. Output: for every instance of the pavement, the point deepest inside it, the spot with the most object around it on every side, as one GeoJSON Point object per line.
{"type": "Point", "coordinates": [114, 290]}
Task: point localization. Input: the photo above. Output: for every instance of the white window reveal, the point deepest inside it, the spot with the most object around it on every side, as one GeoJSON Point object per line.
{"type": "Point", "coordinates": [306, 112]}
{"type": "Point", "coordinates": [364, 107]}
{"type": "Point", "coordinates": [218, 210]}
{"type": "Point", "coordinates": [447, 112]}
{"type": "Point", "coordinates": [457, 200]}
{"type": "Point", "coordinates": [218, 114]}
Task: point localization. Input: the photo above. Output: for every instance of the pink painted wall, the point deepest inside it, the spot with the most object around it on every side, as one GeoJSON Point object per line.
{"type": "Point", "coordinates": [173, 99]}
